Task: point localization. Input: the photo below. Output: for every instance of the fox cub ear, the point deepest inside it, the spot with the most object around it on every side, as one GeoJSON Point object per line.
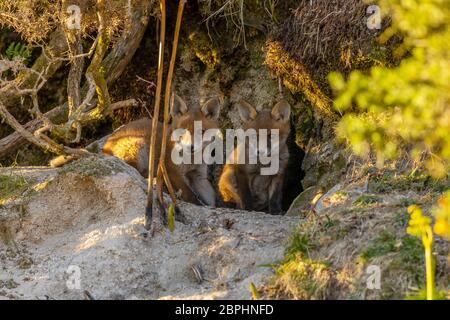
{"type": "Point", "coordinates": [177, 106]}
{"type": "Point", "coordinates": [211, 108]}
{"type": "Point", "coordinates": [246, 111]}
{"type": "Point", "coordinates": [281, 111]}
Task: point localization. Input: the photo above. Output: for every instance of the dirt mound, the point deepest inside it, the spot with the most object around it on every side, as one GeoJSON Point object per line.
{"type": "Point", "coordinates": [84, 221]}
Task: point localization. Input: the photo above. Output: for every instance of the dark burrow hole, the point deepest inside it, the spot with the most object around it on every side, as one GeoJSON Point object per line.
{"type": "Point", "coordinates": [292, 185]}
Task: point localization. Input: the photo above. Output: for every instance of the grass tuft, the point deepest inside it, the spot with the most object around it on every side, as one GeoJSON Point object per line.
{"type": "Point", "coordinates": [383, 244]}
{"type": "Point", "coordinates": [366, 199]}
{"type": "Point", "coordinates": [11, 186]}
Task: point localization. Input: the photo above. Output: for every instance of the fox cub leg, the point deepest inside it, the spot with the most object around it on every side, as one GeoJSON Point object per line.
{"type": "Point", "coordinates": [228, 187]}
{"type": "Point", "coordinates": [276, 195]}
{"type": "Point", "coordinates": [234, 188]}
{"type": "Point", "coordinates": [204, 190]}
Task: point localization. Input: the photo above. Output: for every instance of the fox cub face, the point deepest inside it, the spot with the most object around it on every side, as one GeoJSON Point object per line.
{"type": "Point", "coordinates": [276, 119]}
{"type": "Point", "coordinates": [186, 122]}
{"type": "Point", "coordinates": [244, 185]}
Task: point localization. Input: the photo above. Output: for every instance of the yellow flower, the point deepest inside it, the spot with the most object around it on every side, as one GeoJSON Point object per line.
{"type": "Point", "coordinates": [441, 227]}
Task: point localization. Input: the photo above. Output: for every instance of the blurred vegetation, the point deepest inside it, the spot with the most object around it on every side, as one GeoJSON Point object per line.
{"type": "Point", "coordinates": [398, 111]}
{"type": "Point", "coordinates": [420, 227]}
{"type": "Point", "coordinates": [442, 214]}
{"type": "Point", "coordinates": [383, 244]}
{"type": "Point", "coordinates": [403, 109]}
{"type": "Point", "coordinates": [390, 180]}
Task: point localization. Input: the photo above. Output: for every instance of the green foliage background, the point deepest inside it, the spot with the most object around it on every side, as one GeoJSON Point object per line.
{"type": "Point", "coordinates": [407, 108]}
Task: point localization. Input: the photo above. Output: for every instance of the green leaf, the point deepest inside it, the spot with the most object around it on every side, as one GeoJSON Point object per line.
{"type": "Point", "coordinates": [171, 217]}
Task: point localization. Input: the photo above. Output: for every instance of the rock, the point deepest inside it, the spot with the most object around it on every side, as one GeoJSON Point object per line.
{"type": "Point", "coordinates": [324, 164]}
{"type": "Point", "coordinates": [304, 202]}
{"type": "Point", "coordinates": [341, 195]}
{"type": "Point", "coordinates": [80, 229]}
{"type": "Point", "coordinates": [321, 203]}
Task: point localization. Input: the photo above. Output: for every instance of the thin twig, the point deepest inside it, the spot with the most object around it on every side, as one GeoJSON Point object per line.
{"type": "Point", "coordinates": [167, 93]}
{"type": "Point", "coordinates": [147, 81]}
{"type": "Point", "coordinates": [151, 163]}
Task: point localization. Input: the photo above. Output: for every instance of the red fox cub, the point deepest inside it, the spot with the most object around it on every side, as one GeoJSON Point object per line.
{"type": "Point", "coordinates": [244, 184]}
{"type": "Point", "coordinates": [131, 144]}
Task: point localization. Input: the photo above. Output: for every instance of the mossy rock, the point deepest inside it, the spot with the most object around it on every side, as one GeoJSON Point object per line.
{"type": "Point", "coordinates": [303, 202]}
{"type": "Point", "coordinates": [94, 166]}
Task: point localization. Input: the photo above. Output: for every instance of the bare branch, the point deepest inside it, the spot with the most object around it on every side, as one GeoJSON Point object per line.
{"type": "Point", "coordinates": [44, 67]}
{"type": "Point", "coordinates": [109, 68]}
{"type": "Point", "coordinates": [76, 70]}
{"type": "Point", "coordinates": [95, 68]}
{"type": "Point", "coordinates": [46, 144]}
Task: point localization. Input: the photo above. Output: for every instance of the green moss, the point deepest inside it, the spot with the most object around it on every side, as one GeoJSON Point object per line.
{"type": "Point", "coordinates": [422, 295]}
{"type": "Point", "coordinates": [303, 119]}
{"type": "Point", "coordinates": [11, 186]}
{"type": "Point", "coordinates": [409, 262]}
{"type": "Point", "coordinates": [406, 266]}
{"type": "Point", "coordinates": [299, 276]}
{"type": "Point", "coordinates": [341, 232]}
{"type": "Point", "coordinates": [401, 218]}
{"type": "Point", "coordinates": [330, 223]}
{"type": "Point", "coordinates": [91, 166]}
{"type": "Point", "coordinates": [343, 194]}
{"type": "Point", "coordinates": [204, 49]}
{"type": "Point", "coordinates": [297, 79]}
{"type": "Point", "coordinates": [366, 199]}
{"type": "Point", "coordinates": [411, 259]}
{"type": "Point", "coordinates": [383, 244]}
{"type": "Point", "coordinates": [390, 181]}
